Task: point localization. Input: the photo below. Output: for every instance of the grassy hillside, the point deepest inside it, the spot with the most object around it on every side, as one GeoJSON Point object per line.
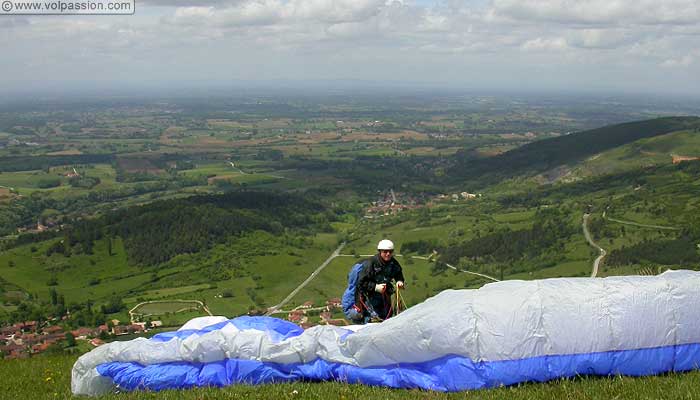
{"type": "Point", "coordinates": [508, 233]}
{"type": "Point", "coordinates": [505, 235]}
{"type": "Point", "coordinates": [49, 378]}
{"type": "Point", "coordinates": [246, 251]}
{"type": "Point", "coordinates": [547, 154]}
{"type": "Point", "coordinates": [643, 153]}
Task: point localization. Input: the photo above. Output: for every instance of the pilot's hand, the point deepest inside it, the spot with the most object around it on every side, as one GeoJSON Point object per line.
{"type": "Point", "coordinates": [380, 288]}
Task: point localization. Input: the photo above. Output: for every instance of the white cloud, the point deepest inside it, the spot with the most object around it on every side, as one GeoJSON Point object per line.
{"type": "Point", "coordinates": [353, 30]}
{"type": "Point", "coordinates": [335, 11]}
{"type": "Point", "coordinates": [366, 39]}
{"type": "Point", "coordinates": [192, 15]}
{"type": "Point", "coordinates": [545, 44]}
{"type": "Point", "coordinates": [600, 38]}
{"type": "Point", "coordinates": [681, 62]}
{"type": "Point", "coordinates": [601, 12]}
{"type": "Point", "coordinates": [8, 21]}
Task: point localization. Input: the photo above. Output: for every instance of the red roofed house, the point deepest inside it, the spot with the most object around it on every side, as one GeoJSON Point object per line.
{"type": "Point", "coordinates": [30, 339]}
{"type": "Point", "coordinates": [295, 316]}
{"type": "Point", "coordinates": [8, 330]}
{"type": "Point", "coordinates": [82, 333]}
{"type": "Point", "coordinates": [307, 304]}
{"type": "Point", "coordinates": [334, 302]}
{"type": "Point", "coordinates": [27, 326]}
{"type": "Point", "coordinates": [53, 329]}
{"type": "Point", "coordinates": [120, 330]}
{"type": "Point", "coordinates": [38, 348]}
{"type": "Point", "coordinates": [54, 337]}
{"type": "Point", "coordinates": [13, 351]}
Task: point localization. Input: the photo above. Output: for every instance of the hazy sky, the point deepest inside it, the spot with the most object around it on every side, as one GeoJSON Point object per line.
{"type": "Point", "coordinates": [609, 45]}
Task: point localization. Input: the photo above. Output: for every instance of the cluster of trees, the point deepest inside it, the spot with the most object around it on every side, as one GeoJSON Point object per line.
{"type": "Point", "coordinates": [26, 211]}
{"type": "Point", "coordinates": [681, 251]}
{"type": "Point", "coordinates": [23, 212]}
{"type": "Point", "coordinates": [77, 314]}
{"type": "Point", "coordinates": [552, 228]}
{"type": "Point", "coordinates": [270, 155]}
{"type": "Point", "coordinates": [158, 231]}
{"type": "Point", "coordinates": [420, 246]}
{"type": "Point", "coordinates": [43, 162]}
{"type": "Point", "coordinates": [87, 182]}
{"type": "Point", "coordinates": [79, 238]}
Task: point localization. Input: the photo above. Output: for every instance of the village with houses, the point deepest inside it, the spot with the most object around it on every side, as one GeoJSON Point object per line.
{"type": "Point", "coordinates": [391, 203]}
{"type": "Point", "coordinates": [308, 315]}
{"type": "Point", "coordinates": [30, 338]}
{"type": "Point", "coordinates": [25, 339]}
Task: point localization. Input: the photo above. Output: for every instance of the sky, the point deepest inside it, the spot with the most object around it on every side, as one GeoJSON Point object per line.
{"type": "Point", "coordinates": [650, 46]}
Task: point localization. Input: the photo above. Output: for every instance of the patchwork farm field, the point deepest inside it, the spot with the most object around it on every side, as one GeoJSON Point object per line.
{"type": "Point", "coordinates": [356, 176]}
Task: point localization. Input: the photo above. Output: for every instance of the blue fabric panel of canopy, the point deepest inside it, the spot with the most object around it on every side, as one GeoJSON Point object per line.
{"type": "Point", "coordinates": [452, 373]}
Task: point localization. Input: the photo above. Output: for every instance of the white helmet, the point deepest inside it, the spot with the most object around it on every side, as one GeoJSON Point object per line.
{"type": "Point", "coordinates": [385, 244]}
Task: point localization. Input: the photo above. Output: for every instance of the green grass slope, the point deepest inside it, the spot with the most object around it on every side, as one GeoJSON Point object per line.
{"type": "Point", "coordinates": [544, 155]}
{"type": "Point", "coordinates": [643, 153]}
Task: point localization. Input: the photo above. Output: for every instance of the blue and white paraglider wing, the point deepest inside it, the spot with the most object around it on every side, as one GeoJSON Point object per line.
{"type": "Point", "coordinates": [501, 334]}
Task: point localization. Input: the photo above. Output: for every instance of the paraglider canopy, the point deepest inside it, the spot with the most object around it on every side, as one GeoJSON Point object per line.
{"type": "Point", "coordinates": [503, 333]}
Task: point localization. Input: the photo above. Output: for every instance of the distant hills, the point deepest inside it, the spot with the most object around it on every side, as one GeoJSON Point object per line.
{"type": "Point", "coordinates": [670, 148]}
{"type": "Point", "coordinates": [545, 155]}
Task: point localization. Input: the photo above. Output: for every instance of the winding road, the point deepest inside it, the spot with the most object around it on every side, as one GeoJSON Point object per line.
{"type": "Point", "coordinates": [318, 270]}
{"type": "Point", "coordinates": [584, 225]}
{"type": "Point", "coordinates": [620, 221]}
{"type": "Point", "coordinates": [602, 251]}
{"type": "Point", "coordinates": [238, 169]}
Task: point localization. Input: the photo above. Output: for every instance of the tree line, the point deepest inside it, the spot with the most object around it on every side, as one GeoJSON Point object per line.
{"type": "Point", "coordinates": [156, 232]}
{"type": "Point", "coordinates": [551, 228]}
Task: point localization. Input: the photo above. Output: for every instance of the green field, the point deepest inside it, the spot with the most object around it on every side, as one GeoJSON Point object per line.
{"type": "Point", "coordinates": [166, 292]}
{"type": "Point", "coordinates": [26, 182]}
{"type": "Point", "coordinates": [253, 270]}
{"type": "Point", "coordinates": [642, 153]}
{"type": "Point", "coordinates": [222, 170]}
{"type": "Point", "coordinates": [160, 307]}
{"type": "Point", "coordinates": [258, 279]}
{"type": "Point", "coordinates": [100, 276]}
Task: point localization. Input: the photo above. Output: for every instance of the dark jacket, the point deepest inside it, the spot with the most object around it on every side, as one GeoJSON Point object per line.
{"type": "Point", "coordinates": [377, 271]}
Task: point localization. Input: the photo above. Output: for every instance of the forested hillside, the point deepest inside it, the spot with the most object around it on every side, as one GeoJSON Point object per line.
{"type": "Point", "coordinates": [156, 232]}
{"type": "Point", "coordinates": [520, 250]}
{"type": "Point", "coordinates": [547, 154]}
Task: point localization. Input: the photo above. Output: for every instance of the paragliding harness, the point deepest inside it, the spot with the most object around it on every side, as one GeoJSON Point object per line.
{"type": "Point", "coordinates": [364, 312]}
